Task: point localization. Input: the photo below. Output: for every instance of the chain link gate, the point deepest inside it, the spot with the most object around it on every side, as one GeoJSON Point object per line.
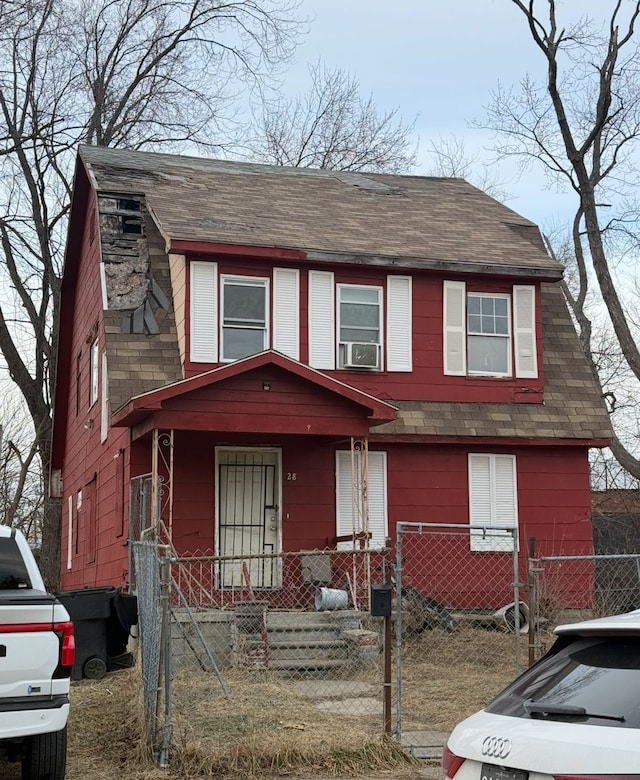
{"type": "Point", "coordinates": [294, 668]}
{"type": "Point", "coordinates": [459, 627]}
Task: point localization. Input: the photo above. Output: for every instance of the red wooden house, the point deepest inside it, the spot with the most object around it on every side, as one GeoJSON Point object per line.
{"type": "Point", "coordinates": [229, 330]}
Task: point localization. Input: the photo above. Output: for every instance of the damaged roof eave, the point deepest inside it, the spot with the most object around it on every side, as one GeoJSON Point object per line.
{"type": "Point", "coordinates": [543, 272]}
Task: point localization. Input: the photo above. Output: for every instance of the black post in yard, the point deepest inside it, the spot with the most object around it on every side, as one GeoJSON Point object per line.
{"type": "Point", "coordinates": [381, 607]}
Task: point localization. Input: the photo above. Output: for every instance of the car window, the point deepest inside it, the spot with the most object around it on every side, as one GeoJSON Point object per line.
{"type": "Point", "coordinates": [591, 680]}
{"type": "Point", "coordinates": [13, 572]}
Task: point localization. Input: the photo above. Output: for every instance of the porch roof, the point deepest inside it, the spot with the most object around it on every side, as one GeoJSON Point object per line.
{"type": "Point", "coordinates": [140, 408]}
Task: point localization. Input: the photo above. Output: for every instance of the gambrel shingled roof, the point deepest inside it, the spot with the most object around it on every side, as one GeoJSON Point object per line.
{"type": "Point", "coordinates": [416, 221]}
{"type": "Point", "coordinates": [572, 408]}
{"type": "Point", "coordinates": [403, 221]}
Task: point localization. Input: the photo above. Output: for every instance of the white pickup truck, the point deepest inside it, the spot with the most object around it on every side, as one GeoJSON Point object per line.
{"type": "Point", "coordinates": [36, 657]}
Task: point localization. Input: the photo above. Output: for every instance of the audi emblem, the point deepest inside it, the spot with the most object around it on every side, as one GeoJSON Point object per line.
{"type": "Point", "coordinates": [495, 747]}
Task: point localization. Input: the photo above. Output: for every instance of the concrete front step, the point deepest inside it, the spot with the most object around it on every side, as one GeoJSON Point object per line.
{"type": "Point", "coordinates": [348, 618]}
{"type": "Point", "coordinates": [307, 667]}
{"type": "Point", "coordinates": [304, 644]}
{"type": "Point", "coordinates": [311, 652]}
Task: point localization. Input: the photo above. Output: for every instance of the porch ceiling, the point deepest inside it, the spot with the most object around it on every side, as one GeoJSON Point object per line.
{"type": "Point", "coordinates": [264, 393]}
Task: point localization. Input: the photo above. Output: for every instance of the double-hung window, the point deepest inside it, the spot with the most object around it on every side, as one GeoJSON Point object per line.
{"type": "Point", "coordinates": [93, 373]}
{"type": "Point", "coordinates": [490, 334]}
{"type": "Point", "coordinates": [359, 326]}
{"type": "Point", "coordinates": [230, 314]}
{"type": "Point", "coordinates": [245, 317]}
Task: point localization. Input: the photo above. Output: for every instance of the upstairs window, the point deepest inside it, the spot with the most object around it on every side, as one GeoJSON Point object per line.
{"type": "Point", "coordinates": [359, 326]}
{"type": "Point", "coordinates": [244, 317]}
{"type": "Point", "coordinates": [230, 314]}
{"type": "Point", "coordinates": [489, 334]}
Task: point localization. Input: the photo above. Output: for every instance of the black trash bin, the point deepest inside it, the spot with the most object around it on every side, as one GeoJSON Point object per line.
{"type": "Point", "coordinates": [102, 619]}
{"type": "Point", "coordinates": [124, 615]}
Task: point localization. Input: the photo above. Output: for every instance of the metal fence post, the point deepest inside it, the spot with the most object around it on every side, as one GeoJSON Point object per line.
{"type": "Point", "coordinates": [398, 579]}
{"type": "Point", "coordinates": [533, 617]}
{"type": "Point", "coordinates": [165, 652]}
{"type": "Point", "coordinates": [516, 600]}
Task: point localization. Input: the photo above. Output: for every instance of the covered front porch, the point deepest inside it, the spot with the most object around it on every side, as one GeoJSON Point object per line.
{"type": "Point", "coordinates": [249, 463]}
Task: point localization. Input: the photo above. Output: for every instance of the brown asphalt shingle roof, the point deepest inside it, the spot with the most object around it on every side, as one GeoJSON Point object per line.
{"type": "Point", "coordinates": [422, 221]}
{"type": "Point", "coordinates": [429, 220]}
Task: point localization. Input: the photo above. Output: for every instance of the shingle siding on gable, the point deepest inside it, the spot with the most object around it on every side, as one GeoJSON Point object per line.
{"type": "Point", "coordinates": [139, 362]}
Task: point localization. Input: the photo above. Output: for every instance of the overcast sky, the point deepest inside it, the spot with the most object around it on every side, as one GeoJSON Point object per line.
{"type": "Point", "coordinates": [438, 62]}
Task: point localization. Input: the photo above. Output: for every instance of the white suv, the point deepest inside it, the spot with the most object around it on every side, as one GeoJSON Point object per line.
{"type": "Point", "coordinates": [36, 658]}
{"type": "Point", "coordinates": [574, 714]}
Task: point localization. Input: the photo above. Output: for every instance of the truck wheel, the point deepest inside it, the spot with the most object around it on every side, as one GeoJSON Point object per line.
{"type": "Point", "coordinates": [94, 668]}
{"type": "Point", "coordinates": [46, 756]}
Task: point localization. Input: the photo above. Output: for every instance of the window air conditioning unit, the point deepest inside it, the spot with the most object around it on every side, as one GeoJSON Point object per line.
{"type": "Point", "coordinates": [361, 355]}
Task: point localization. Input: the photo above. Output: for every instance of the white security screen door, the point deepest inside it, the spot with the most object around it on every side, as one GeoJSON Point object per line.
{"type": "Point", "coordinates": [248, 488]}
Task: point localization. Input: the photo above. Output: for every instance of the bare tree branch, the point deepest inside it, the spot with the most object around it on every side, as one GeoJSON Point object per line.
{"type": "Point", "coordinates": [332, 126]}
{"type": "Point", "coordinates": [130, 73]}
{"type": "Point", "coordinates": [583, 128]}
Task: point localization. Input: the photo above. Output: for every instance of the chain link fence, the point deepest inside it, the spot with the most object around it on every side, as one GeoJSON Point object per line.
{"type": "Point", "coordinates": [567, 588]}
{"type": "Point", "coordinates": [461, 621]}
{"type": "Point", "coordinates": [285, 668]}
{"type": "Point", "coordinates": [299, 663]}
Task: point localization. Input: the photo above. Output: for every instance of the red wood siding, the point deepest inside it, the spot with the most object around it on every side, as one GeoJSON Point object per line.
{"type": "Point", "coordinates": [99, 553]}
{"type": "Point", "coordinates": [430, 485]}
{"type": "Point", "coordinates": [290, 405]}
{"type": "Point", "coordinates": [425, 485]}
{"type": "Point", "coordinates": [427, 381]}
{"type": "Point", "coordinates": [194, 491]}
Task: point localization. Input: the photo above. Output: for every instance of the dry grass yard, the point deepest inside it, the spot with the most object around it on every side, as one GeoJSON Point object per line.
{"type": "Point", "coordinates": [447, 677]}
{"type": "Point", "coordinates": [268, 729]}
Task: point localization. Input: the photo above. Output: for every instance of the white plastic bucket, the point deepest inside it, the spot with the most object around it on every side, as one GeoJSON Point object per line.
{"type": "Point", "coordinates": [329, 598]}
{"type": "Point", "coordinates": [506, 617]}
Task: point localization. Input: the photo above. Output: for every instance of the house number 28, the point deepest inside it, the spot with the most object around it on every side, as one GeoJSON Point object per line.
{"type": "Point", "coordinates": [292, 476]}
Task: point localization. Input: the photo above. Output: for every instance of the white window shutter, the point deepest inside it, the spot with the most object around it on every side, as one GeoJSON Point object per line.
{"type": "Point", "coordinates": [454, 310]}
{"type": "Point", "coordinates": [204, 312]}
{"type": "Point", "coordinates": [349, 509]}
{"type": "Point", "coordinates": [94, 355]}
{"type": "Point", "coordinates": [286, 311]}
{"type": "Point", "coordinates": [492, 500]}
{"type": "Point", "coordinates": [104, 409]}
{"type": "Point", "coordinates": [70, 533]}
{"type": "Point", "coordinates": [506, 512]}
{"type": "Point", "coordinates": [322, 348]}
{"type": "Point", "coordinates": [479, 490]}
{"type": "Point", "coordinates": [524, 316]}
{"type": "Point", "coordinates": [399, 347]}
{"type": "Point", "coordinates": [347, 515]}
